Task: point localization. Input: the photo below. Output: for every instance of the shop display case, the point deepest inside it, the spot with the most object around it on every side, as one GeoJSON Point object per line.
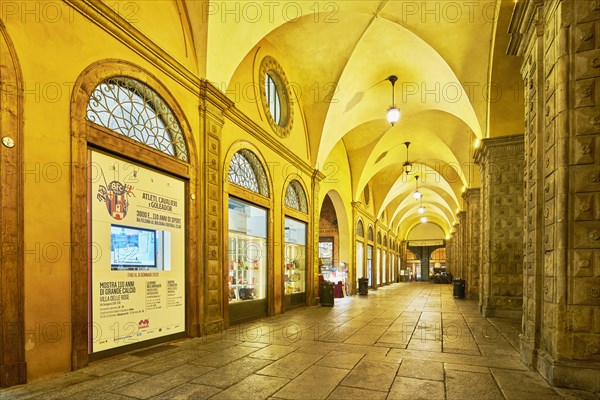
{"type": "Point", "coordinates": [247, 267]}
{"type": "Point", "coordinates": [294, 272]}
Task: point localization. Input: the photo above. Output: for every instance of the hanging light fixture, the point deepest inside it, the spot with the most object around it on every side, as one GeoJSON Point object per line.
{"type": "Point", "coordinates": [417, 194]}
{"type": "Point", "coordinates": [393, 113]}
{"type": "Point", "coordinates": [421, 208]}
{"type": "Point", "coordinates": [407, 166]}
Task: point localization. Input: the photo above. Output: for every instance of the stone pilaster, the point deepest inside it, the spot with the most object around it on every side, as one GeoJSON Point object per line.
{"type": "Point", "coordinates": [501, 161]}
{"type": "Point", "coordinates": [561, 323]}
{"type": "Point", "coordinates": [473, 231]}
{"type": "Point", "coordinates": [403, 260]}
{"type": "Point", "coordinates": [212, 106]}
{"type": "Point", "coordinates": [316, 215]}
{"type": "Point", "coordinates": [461, 253]}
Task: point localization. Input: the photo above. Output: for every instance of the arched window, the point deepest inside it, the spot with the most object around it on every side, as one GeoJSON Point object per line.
{"type": "Point", "coordinates": [360, 229]}
{"type": "Point", "coordinates": [385, 240]}
{"type": "Point", "coordinates": [130, 108]}
{"type": "Point", "coordinates": [295, 197]}
{"type": "Point", "coordinates": [379, 237]}
{"type": "Point", "coordinates": [370, 233]}
{"type": "Point", "coordinates": [246, 171]}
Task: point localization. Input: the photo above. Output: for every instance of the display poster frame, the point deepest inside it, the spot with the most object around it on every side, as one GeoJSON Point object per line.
{"type": "Point", "coordinates": [137, 253]}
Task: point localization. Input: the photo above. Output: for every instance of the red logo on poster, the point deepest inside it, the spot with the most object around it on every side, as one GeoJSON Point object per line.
{"type": "Point", "coordinates": [114, 195]}
{"type": "Point", "coordinates": [144, 323]}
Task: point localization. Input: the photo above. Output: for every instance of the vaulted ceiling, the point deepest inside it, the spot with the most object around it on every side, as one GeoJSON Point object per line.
{"type": "Point", "coordinates": [454, 86]}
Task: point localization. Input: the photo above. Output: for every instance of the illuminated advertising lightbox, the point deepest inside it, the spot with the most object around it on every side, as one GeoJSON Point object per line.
{"type": "Point", "coordinates": [137, 266]}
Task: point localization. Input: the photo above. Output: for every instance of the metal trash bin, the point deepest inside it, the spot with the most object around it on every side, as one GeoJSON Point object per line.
{"type": "Point", "coordinates": [327, 294]}
{"type": "Point", "coordinates": [458, 288]}
{"type": "Point", "coordinates": [363, 286]}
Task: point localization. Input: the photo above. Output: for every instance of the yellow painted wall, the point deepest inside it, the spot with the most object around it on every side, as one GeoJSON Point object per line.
{"type": "Point", "coordinates": [53, 50]}
{"type": "Point", "coordinates": [53, 53]}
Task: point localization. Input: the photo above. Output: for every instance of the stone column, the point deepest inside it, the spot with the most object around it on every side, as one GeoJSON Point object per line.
{"type": "Point", "coordinates": [403, 259]}
{"type": "Point", "coordinates": [450, 256]}
{"type": "Point", "coordinates": [561, 323]}
{"type": "Point", "coordinates": [313, 289]}
{"type": "Point", "coordinates": [461, 250]}
{"type": "Point", "coordinates": [501, 161]}
{"type": "Point", "coordinates": [473, 231]}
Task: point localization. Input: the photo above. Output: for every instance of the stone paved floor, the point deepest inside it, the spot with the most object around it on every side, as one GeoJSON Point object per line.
{"type": "Point", "coordinates": [403, 341]}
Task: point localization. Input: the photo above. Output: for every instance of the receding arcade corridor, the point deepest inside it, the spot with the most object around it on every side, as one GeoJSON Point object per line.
{"type": "Point", "coordinates": [403, 341]}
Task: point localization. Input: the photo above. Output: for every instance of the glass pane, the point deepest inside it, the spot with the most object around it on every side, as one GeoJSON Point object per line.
{"type": "Point", "coordinates": [247, 252]}
{"type": "Point", "coordinates": [360, 252]}
{"type": "Point", "coordinates": [241, 173]}
{"type": "Point", "coordinates": [245, 170]}
{"type": "Point", "coordinates": [273, 99]}
{"type": "Point", "coordinates": [132, 109]}
{"type": "Point", "coordinates": [294, 272]}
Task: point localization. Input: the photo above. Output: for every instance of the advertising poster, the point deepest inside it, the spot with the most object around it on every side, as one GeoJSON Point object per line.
{"type": "Point", "coordinates": [137, 234]}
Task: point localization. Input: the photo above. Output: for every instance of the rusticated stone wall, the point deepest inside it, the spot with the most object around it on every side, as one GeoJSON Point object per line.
{"type": "Point", "coordinates": [473, 231]}
{"type": "Point", "coordinates": [501, 161]}
{"type": "Point", "coordinates": [561, 65]}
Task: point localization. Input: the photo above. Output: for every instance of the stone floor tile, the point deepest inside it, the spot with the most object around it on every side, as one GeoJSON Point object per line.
{"type": "Point", "coordinates": [225, 356]}
{"type": "Point", "coordinates": [106, 367]}
{"type": "Point", "coordinates": [215, 343]}
{"type": "Point", "coordinates": [96, 395]}
{"type": "Point", "coordinates": [468, 368]}
{"type": "Point", "coordinates": [395, 337]}
{"type": "Point", "coordinates": [314, 346]}
{"type": "Point", "coordinates": [574, 394]}
{"type": "Point", "coordinates": [165, 363]}
{"type": "Point", "coordinates": [291, 354]}
{"type": "Point", "coordinates": [375, 375]}
{"type": "Point", "coordinates": [345, 393]}
{"type": "Point", "coordinates": [527, 381]}
{"type": "Point", "coordinates": [363, 339]}
{"type": "Point", "coordinates": [462, 385]}
{"type": "Point", "coordinates": [362, 349]}
{"type": "Point", "coordinates": [158, 384]}
{"type": "Point", "coordinates": [291, 365]}
{"type": "Point", "coordinates": [419, 369]}
{"type": "Point", "coordinates": [39, 387]}
{"type": "Point", "coordinates": [498, 350]}
{"type": "Point", "coordinates": [253, 387]}
{"type": "Point", "coordinates": [518, 395]}
{"type": "Point", "coordinates": [232, 373]}
{"type": "Point", "coordinates": [273, 352]}
{"type": "Point", "coordinates": [338, 359]}
{"type": "Point", "coordinates": [115, 380]}
{"type": "Point", "coordinates": [188, 391]}
{"type": "Point", "coordinates": [425, 345]}
{"type": "Point", "coordinates": [415, 389]}
{"type": "Point", "coordinates": [315, 383]}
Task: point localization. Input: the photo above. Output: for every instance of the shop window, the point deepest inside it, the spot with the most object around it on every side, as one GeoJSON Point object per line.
{"type": "Point", "coordinates": [247, 252]}
{"type": "Point", "coordinates": [130, 108]}
{"type": "Point", "coordinates": [360, 229]}
{"type": "Point", "coordinates": [294, 273]}
{"type": "Point", "coordinates": [246, 170]}
{"type": "Point", "coordinates": [295, 197]}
